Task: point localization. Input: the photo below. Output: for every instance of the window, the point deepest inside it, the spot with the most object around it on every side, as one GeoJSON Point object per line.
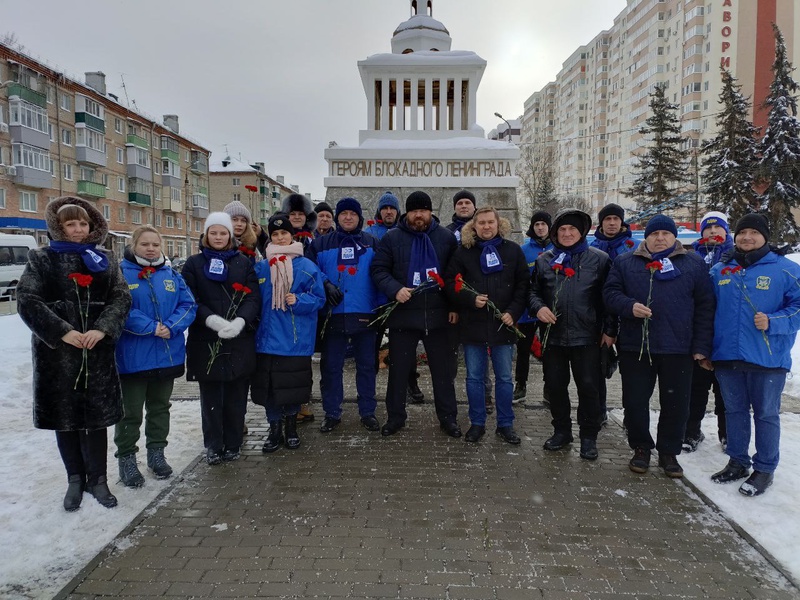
{"type": "Point", "coordinates": [170, 248]}
{"type": "Point", "coordinates": [87, 174]}
{"type": "Point", "coordinates": [170, 168]}
{"type": "Point", "coordinates": [156, 192]}
{"type": "Point", "coordinates": [157, 168]}
{"type": "Point", "coordinates": [27, 201]}
{"type": "Point", "coordinates": [68, 172]}
{"type": "Point", "coordinates": [66, 137]}
{"type": "Point", "coordinates": [52, 132]}
{"type": "Point", "coordinates": [2, 198]}
{"type": "Point", "coordinates": [237, 181]}
{"type": "Point", "coordinates": [170, 222]}
{"type": "Point", "coordinates": [120, 184]}
{"type": "Point", "coordinates": [105, 180]}
{"type": "Point", "coordinates": [120, 156]}
{"type": "Point", "coordinates": [237, 197]}
{"type": "Point", "coordinates": [93, 108]}
{"type": "Point", "coordinates": [107, 212]}
{"type": "Point", "coordinates": [90, 138]}
{"type": "Point", "coordinates": [175, 194]}
{"type": "Point", "coordinates": [178, 223]}
{"type": "Point", "coordinates": [28, 115]}
{"type": "Point", "coordinates": [136, 217]}
{"type": "Point", "coordinates": [197, 226]}
{"type": "Point", "coordinates": [121, 214]}
{"type": "Point", "coordinates": [30, 156]}
{"type": "Point", "coordinates": [158, 219]}
{"type": "Point", "coordinates": [142, 158]}
{"type": "Point", "coordinates": [118, 125]}
{"type": "Point", "coordinates": [51, 93]}
{"type": "Point", "coordinates": [186, 156]}
{"type": "Point", "coordinates": [66, 102]}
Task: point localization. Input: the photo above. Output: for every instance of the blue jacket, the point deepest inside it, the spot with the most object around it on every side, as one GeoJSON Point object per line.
{"type": "Point", "coordinates": [620, 244]}
{"type": "Point", "coordinates": [361, 297]}
{"type": "Point", "coordinates": [773, 286]}
{"type": "Point", "coordinates": [138, 349]}
{"type": "Point", "coordinates": [290, 332]}
{"type": "Point", "coordinates": [532, 249]}
{"type": "Point", "coordinates": [683, 308]}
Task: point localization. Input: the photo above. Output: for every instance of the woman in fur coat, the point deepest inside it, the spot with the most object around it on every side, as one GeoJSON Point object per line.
{"type": "Point", "coordinates": [74, 299]}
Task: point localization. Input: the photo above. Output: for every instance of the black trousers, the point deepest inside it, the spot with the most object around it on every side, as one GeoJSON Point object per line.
{"type": "Point", "coordinates": [223, 405]}
{"type": "Point", "coordinates": [84, 452]}
{"type": "Point", "coordinates": [412, 377]}
{"type": "Point", "coordinates": [585, 364]}
{"type": "Point", "coordinates": [403, 355]}
{"type": "Point", "coordinates": [523, 366]}
{"type": "Point", "coordinates": [674, 374]}
{"type": "Point", "coordinates": [702, 381]}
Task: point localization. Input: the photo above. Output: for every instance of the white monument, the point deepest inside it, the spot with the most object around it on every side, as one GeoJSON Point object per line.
{"type": "Point", "coordinates": [421, 129]}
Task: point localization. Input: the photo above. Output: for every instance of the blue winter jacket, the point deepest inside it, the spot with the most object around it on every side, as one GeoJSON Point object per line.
{"type": "Point", "coordinates": [532, 249]}
{"type": "Point", "coordinates": [773, 286]}
{"type": "Point", "coordinates": [165, 297]}
{"type": "Point", "coordinates": [355, 312]}
{"type": "Point", "coordinates": [620, 244]}
{"type": "Point", "coordinates": [290, 332]}
{"type": "Point", "coordinates": [683, 308]}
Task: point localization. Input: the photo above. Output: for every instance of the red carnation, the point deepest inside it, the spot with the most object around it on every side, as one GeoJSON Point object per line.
{"type": "Point", "coordinates": [557, 267]}
{"type": "Point", "coordinates": [459, 282]}
{"type": "Point", "coordinates": [370, 222]}
{"type": "Point", "coordinates": [351, 270]}
{"type": "Point", "coordinates": [380, 221]}
{"type": "Point", "coordinates": [437, 278]}
{"type": "Point", "coordinates": [237, 287]}
{"type": "Point", "coordinates": [282, 258]}
{"type": "Point", "coordinates": [80, 279]}
{"type": "Point", "coordinates": [725, 271]}
{"type": "Point", "coordinates": [272, 261]}
{"type": "Point", "coordinates": [654, 266]}
{"type": "Point", "coordinates": [341, 268]}
{"type": "Point", "coordinates": [246, 290]}
{"type": "Point", "coordinates": [629, 243]}
{"type": "Point", "coordinates": [736, 269]}
{"type": "Point", "coordinates": [146, 272]}
{"type": "Point", "coordinates": [568, 272]}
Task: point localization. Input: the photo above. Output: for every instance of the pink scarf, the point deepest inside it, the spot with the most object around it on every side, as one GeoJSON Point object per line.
{"type": "Point", "coordinates": [281, 272]}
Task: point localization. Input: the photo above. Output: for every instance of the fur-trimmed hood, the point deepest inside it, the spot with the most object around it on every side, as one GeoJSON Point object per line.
{"type": "Point", "coordinates": [469, 238]}
{"type": "Point", "coordinates": [300, 202]}
{"type": "Point", "coordinates": [98, 227]}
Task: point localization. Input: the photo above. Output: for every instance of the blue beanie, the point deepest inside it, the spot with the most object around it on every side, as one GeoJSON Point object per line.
{"type": "Point", "coordinates": [389, 199]}
{"type": "Point", "coordinates": [714, 218]}
{"type": "Point", "coordinates": [661, 223]}
{"type": "Point", "coordinates": [349, 204]}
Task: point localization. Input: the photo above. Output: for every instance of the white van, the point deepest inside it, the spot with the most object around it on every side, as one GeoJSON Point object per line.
{"type": "Point", "coordinates": [13, 258]}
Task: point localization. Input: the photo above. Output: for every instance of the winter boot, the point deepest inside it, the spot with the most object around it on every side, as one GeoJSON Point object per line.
{"type": "Point", "coordinates": [76, 486]}
{"type": "Point", "coordinates": [275, 437]}
{"type": "Point", "coordinates": [292, 439]}
{"type": "Point", "coordinates": [756, 484]}
{"type": "Point", "coordinates": [129, 473]}
{"type": "Point", "coordinates": [640, 461]}
{"type": "Point", "coordinates": [101, 492]}
{"type": "Point", "coordinates": [157, 463]}
{"type": "Point", "coordinates": [520, 391]}
{"type": "Point", "coordinates": [669, 462]}
{"type": "Point", "coordinates": [693, 437]}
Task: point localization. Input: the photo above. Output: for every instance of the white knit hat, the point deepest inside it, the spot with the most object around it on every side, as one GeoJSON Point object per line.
{"type": "Point", "coordinates": [218, 218]}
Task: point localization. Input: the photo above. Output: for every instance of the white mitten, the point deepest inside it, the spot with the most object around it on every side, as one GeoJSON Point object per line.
{"type": "Point", "coordinates": [232, 329]}
{"type": "Point", "coordinates": [216, 322]}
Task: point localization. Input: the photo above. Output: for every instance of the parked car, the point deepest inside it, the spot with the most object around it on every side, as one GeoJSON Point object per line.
{"type": "Point", "coordinates": [13, 258]}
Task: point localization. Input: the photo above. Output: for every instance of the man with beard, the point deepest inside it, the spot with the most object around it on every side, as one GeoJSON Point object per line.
{"type": "Point", "coordinates": [405, 256]}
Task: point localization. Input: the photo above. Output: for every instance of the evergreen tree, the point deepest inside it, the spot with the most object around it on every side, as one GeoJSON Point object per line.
{"type": "Point", "coordinates": [661, 170]}
{"type": "Point", "coordinates": [546, 197]}
{"type": "Point", "coordinates": [730, 158]}
{"type": "Point", "coordinates": [780, 149]}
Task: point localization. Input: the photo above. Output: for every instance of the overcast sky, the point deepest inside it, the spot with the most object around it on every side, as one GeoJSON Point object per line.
{"type": "Point", "coordinates": [276, 81]}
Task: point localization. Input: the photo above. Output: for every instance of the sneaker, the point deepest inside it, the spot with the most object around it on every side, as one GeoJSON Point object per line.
{"type": "Point", "coordinates": [520, 391]}
{"type": "Point", "coordinates": [669, 463]}
{"type": "Point", "coordinates": [640, 461]}
{"type": "Point", "coordinates": [692, 441]}
{"type": "Point", "coordinates": [129, 473]}
{"type": "Point", "coordinates": [733, 471]}
{"type": "Point", "coordinates": [157, 463]}
{"type": "Point", "coordinates": [756, 484]}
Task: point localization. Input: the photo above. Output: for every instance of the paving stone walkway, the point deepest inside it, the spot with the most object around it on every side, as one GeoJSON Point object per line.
{"type": "Point", "coordinates": [421, 515]}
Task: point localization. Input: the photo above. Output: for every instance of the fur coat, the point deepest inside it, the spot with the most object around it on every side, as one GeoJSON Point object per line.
{"type": "Point", "coordinates": [50, 304]}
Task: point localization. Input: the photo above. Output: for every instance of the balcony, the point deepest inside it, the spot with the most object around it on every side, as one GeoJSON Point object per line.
{"type": "Point", "coordinates": [27, 94]}
{"type": "Point", "coordinates": [139, 142]}
{"type": "Point", "coordinates": [263, 190]}
{"type": "Point", "coordinates": [199, 163]}
{"type": "Point", "coordinates": [202, 190]}
{"type": "Point", "coordinates": [91, 189]}
{"type": "Point", "coordinates": [91, 121]}
{"type": "Point", "coordinates": [169, 154]}
{"type": "Point", "coordinates": [175, 206]}
{"type": "Point", "coordinates": [139, 198]}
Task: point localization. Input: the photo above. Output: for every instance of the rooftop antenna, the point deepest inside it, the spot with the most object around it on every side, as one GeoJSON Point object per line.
{"type": "Point", "coordinates": [125, 89]}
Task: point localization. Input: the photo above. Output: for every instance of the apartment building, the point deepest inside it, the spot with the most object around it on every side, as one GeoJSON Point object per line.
{"type": "Point", "coordinates": [59, 136]}
{"type": "Point", "coordinates": [600, 98]}
{"type": "Point", "coordinates": [233, 179]}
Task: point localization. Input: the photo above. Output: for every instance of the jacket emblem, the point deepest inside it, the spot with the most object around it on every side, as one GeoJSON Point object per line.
{"type": "Point", "coordinates": [762, 283]}
{"type": "Point", "coordinates": [169, 285]}
{"type": "Point", "coordinates": [133, 286]}
{"type": "Point", "coordinates": [724, 282]}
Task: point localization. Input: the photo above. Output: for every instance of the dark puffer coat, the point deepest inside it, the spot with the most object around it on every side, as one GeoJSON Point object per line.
{"type": "Point", "coordinates": [428, 309]}
{"type": "Point", "coordinates": [237, 357]}
{"type": "Point", "coordinates": [50, 304]}
{"type": "Point", "coordinates": [507, 289]}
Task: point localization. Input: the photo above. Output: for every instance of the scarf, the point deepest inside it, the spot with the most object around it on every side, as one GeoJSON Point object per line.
{"type": "Point", "coordinates": [490, 262]}
{"type": "Point", "coordinates": [712, 252]}
{"type": "Point", "coordinates": [612, 246]}
{"type": "Point", "coordinates": [459, 223]}
{"type": "Point", "coordinates": [563, 256]}
{"type": "Point", "coordinates": [746, 259]}
{"type": "Point", "coordinates": [542, 242]}
{"type": "Point", "coordinates": [143, 262]}
{"type": "Point", "coordinates": [216, 265]}
{"type": "Point", "coordinates": [281, 271]}
{"type": "Point", "coordinates": [350, 247]}
{"type": "Point", "coordinates": [95, 260]}
{"type": "Point", "coordinates": [668, 269]}
{"type": "Point", "coordinates": [423, 256]}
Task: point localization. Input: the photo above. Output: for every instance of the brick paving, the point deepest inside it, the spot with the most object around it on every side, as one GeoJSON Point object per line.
{"type": "Point", "coordinates": [421, 515]}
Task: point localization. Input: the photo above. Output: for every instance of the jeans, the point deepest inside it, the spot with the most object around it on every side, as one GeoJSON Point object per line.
{"type": "Point", "coordinates": [585, 364]}
{"type": "Point", "coordinates": [332, 364]}
{"type": "Point", "coordinates": [476, 359]}
{"type": "Point", "coordinates": [761, 390]}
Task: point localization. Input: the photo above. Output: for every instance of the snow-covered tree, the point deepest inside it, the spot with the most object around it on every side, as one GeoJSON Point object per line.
{"type": "Point", "coordinates": [780, 149]}
{"type": "Point", "coordinates": [730, 158]}
{"type": "Point", "coordinates": [661, 169]}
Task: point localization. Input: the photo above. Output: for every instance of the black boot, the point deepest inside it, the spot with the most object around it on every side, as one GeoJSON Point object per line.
{"type": "Point", "coordinates": [129, 473]}
{"type": "Point", "coordinates": [275, 437]}
{"type": "Point", "coordinates": [415, 394]}
{"type": "Point", "coordinates": [520, 391]}
{"type": "Point", "coordinates": [74, 495]}
{"type": "Point", "coordinates": [101, 492]}
{"type": "Point", "coordinates": [733, 471]}
{"type": "Point", "coordinates": [756, 484]}
{"type": "Point", "coordinates": [292, 439]}
{"type": "Point", "coordinates": [589, 449]}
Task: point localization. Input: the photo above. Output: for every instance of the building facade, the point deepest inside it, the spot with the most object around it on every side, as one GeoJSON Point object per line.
{"type": "Point", "coordinates": [61, 137]}
{"type": "Point", "coordinates": [591, 114]}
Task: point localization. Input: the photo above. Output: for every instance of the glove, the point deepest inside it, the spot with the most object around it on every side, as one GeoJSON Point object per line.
{"type": "Point", "coordinates": [215, 322]}
{"type": "Point", "coordinates": [333, 294]}
{"type": "Point", "coordinates": [232, 329]}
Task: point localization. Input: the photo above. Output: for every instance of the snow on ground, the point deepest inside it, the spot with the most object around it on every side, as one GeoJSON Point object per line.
{"type": "Point", "coordinates": [50, 546]}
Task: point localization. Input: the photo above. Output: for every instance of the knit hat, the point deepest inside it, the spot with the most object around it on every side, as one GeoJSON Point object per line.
{"type": "Point", "coordinates": [464, 194]}
{"type": "Point", "coordinates": [539, 215]}
{"type": "Point", "coordinates": [660, 223]}
{"type": "Point", "coordinates": [389, 199]}
{"type": "Point", "coordinates": [571, 216]}
{"type": "Point", "coordinates": [323, 207]}
{"type": "Point", "coordinates": [610, 210]}
{"type": "Point", "coordinates": [714, 218]}
{"type": "Point", "coordinates": [218, 218]}
{"type": "Point", "coordinates": [753, 221]}
{"type": "Point", "coordinates": [418, 201]}
{"type": "Point", "coordinates": [348, 204]}
{"type": "Point", "coordinates": [237, 209]}
{"type": "Point", "coordinates": [279, 221]}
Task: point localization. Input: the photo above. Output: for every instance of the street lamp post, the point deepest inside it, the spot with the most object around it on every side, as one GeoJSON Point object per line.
{"type": "Point", "coordinates": [188, 209]}
{"type": "Point", "coordinates": [499, 116]}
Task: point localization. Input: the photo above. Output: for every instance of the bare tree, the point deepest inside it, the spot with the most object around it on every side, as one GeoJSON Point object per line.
{"type": "Point", "coordinates": [537, 169]}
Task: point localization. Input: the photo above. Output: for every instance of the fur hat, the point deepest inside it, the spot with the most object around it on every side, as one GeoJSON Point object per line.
{"type": "Point", "coordinates": [98, 226]}
{"type": "Point", "coordinates": [753, 221]}
{"type": "Point", "coordinates": [323, 207]}
{"type": "Point", "coordinates": [278, 222]}
{"type": "Point", "coordinates": [300, 202]}
{"type": "Point", "coordinates": [540, 215]}
{"type": "Point", "coordinates": [218, 218]}
{"type": "Point", "coordinates": [237, 209]}
{"type": "Point", "coordinates": [714, 218]}
{"type": "Point", "coordinates": [418, 201]}
{"type": "Point", "coordinates": [464, 194]}
{"type": "Point", "coordinates": [660, 223]}
{"type": "Point", "coordinates": [610, 210]}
